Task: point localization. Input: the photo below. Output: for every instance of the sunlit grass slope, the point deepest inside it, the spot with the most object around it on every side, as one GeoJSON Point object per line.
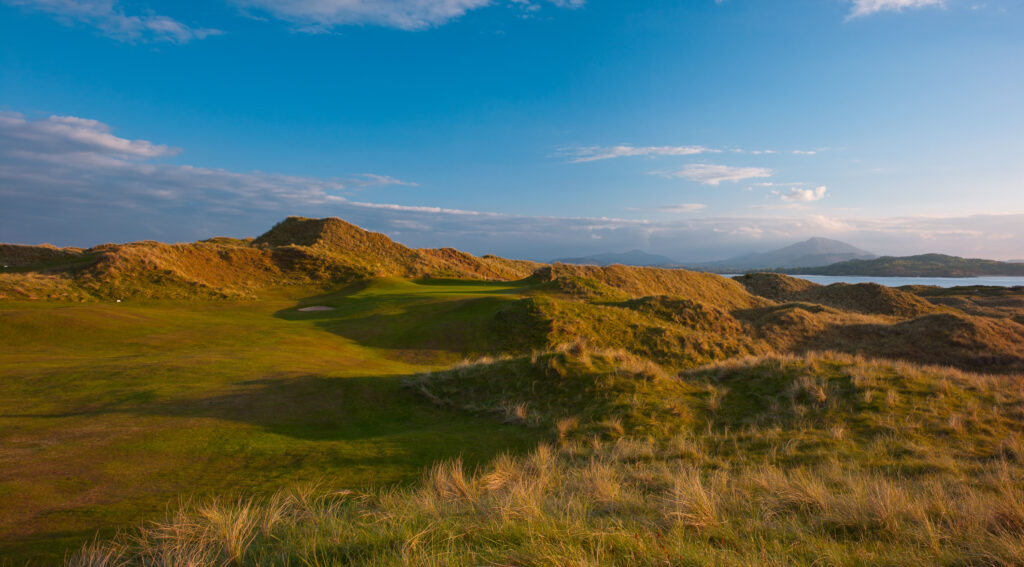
{"type": "Point", "coordinates": [110, 412]}
{"type": "Point", "coordinates": [296, 252]}
{"type": "Point", "coordinates": [692, 419]}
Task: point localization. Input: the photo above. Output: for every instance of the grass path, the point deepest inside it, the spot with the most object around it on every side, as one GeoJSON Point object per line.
{"type": "Point", "coordinates": [109, 411]}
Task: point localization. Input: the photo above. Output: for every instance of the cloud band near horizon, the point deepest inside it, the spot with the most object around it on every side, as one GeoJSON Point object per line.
{"type": "Point", "coordinates": [71, 175]}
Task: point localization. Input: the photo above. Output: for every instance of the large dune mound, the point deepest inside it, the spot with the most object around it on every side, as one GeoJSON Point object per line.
{"type": "Point", "coordinates": [640, 282]}
{"type": "Point", "coordinates": [868, 298]}
{"type": "Point", "coordinates": [297, 251]}
{"type": "Point", "coordinates": [948, 338]}
{"type": "Point", "coordinates": [21, 256]}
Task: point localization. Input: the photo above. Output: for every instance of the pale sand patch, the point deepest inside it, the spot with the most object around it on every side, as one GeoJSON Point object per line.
{"type": "Point", "coordinates": [317, 308]}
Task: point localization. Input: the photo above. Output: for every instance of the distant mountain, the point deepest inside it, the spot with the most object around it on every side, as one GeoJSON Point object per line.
{"type": "Point", "coordinates": [809, 253]}
{"type": "Point", "coordinates": [631, 258]}
{"type": "Point", "coordinates": [925, 265]}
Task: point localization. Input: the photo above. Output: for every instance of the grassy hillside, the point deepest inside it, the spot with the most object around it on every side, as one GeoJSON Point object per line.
{"type": "Point", "coordinates": [640, 282]}
{"type": "Point", "coordinates": [685, 418]}
{"type": "Point", "coordinates": [109, 412]}
{"type": "Point", "coordinates": [924, 265]}
{"type": "Point", "coordinates": [869, 298]}
{"type": "Point", "coordinates": [776, 461]}
{"type": "Point", "coordinates": [297, 252]}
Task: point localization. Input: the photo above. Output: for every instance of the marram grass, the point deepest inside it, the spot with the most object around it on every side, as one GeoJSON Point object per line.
{"type": "Point", "coordinates": [626, 502]}
{"type": "Point", "coordinates": [823, 460]}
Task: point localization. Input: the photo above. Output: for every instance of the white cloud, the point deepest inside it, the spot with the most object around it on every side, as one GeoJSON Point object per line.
{"type": "Point", "coordinates": [321, 15]}
{"type": "Point", "coordinates": [69, 135]}
{"type": "Point", "coordinates": [712, 174]}
{"type": "Point", "coordinates": [110, 18]}
{"type": "Point", "coordinates": [868, 7]}
{"type": "Point", "coordinates": [595, 153]}
{"type": "Point", "coordinates": [805, 195]}
{"type": "Point", "coordinates": [372, 179]}
{"type": "Point", "coordinates": [776, 184]}
{"type": "Point", "coordinates": [420, 209]}
{"type": "Point", "coordinates": [65, 160]}
{"type": "Point", "coordinates": [684, 208]}
{"type": "Point", "coordinates": [581, 154]}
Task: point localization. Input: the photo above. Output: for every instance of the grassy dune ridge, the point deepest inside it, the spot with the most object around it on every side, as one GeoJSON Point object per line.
{"type": "Point", "coordinates": [683, 418]}
{"type": "Point", "coordinates": [297, 252]}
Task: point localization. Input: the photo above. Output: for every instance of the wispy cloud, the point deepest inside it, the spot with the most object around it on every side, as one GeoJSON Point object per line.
{"type": "Point", "coordinates": [805, 195]}
{"type": "Point", "coordinates": [323, 15]}
{"type": "Point", "coordinates": [776, 184]}
{"type": "Point", "coordinates": [683, 208]}
{"type": "Point", "coordinates": [70, 135]}
{"type": "Point", "coordinates": [66, 161]}
{"type": "Point", "coordinates": [110, 18]}
{"type": "Point", "coordinates": [596, 153]}
{"type": "Point", "coordinates": [372, 179]}
{"type": "Point", "coordinates": [582, 154]}
{"type": "Point", "coordinates": [712, 174]}
{"type": "Point", "coordinates": [75, 177]}
{"type": "Point", "coordinates": [868, 7]}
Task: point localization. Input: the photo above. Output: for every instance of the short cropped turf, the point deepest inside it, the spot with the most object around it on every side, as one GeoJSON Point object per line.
{"type": "Point", "coordinates": [111, 412]}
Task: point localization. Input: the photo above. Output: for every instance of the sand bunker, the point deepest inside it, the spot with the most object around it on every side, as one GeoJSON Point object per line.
{"type": "Point", "coordinates": [317, 308]}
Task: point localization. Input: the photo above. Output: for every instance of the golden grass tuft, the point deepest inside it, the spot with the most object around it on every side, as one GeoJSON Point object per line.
{"type": "Point", "coordinates": [581, 506]}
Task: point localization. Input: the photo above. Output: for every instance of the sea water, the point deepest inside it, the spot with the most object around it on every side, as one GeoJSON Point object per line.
{"type": "Point", "coordinates": [1001, 281]}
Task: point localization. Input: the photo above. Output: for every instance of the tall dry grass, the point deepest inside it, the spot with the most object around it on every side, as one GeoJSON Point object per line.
{"type": "Point", "coordinates": [594, 504]}
{"type": "Point", "coordinates": [793, 464]}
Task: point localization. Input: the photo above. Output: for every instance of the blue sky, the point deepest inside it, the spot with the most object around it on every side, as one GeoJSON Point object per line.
{"type": "Point", "coordinates": [527, 128]}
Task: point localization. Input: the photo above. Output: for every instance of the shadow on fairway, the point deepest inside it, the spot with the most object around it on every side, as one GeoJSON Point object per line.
{"type": "Point", "coordinates": [426, 321]}
{"type": "Point", "coordinates": [313, 408]}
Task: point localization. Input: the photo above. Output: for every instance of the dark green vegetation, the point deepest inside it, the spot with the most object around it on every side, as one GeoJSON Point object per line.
{"type": "Point", "coordinates": [925, 265]}
{"type": "Point", "coordinates": [686, 418]}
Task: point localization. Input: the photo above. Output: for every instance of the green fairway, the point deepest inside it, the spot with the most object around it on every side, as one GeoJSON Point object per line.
{"type": "Point", "coordinates": [109, 411]}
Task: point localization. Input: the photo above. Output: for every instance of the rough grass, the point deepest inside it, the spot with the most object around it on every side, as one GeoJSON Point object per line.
{"type": "Point", "coordinates": [16, 256]}
{"type": "Point", "coordinates": [112, 410]}
{"type": "Point", "coordinates": [950, 338]}
{"type": "Point", "coordinates": [640, 282]}
{"type": "Point", "coordinates": [868, 298]}
{"type": "Point", "coordinates": [674, 332]}
{"type": "Point", "coordinates": [592, 392]}
{"type": "Point", "coordinates": [793, 461]}
{"type": "Point", "coordinates": [686, 430]}
{"type": "Point", "coordinates": [985, 301]}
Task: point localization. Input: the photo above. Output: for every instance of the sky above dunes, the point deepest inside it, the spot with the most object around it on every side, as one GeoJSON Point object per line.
{"type": "Point", "coordinates": [526, 128]}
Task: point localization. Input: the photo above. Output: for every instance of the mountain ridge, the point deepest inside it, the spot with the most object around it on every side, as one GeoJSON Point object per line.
{"type": "Point", "coordinates": [634, 257]}
{"type": "Point", "coordinates": [816, 251]}
{"type": "Point", "coordinates": [921, 265]}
